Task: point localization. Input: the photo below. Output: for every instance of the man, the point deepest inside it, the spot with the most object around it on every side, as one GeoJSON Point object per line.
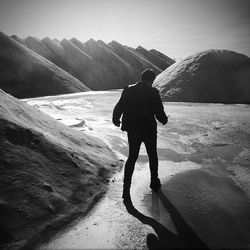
{"type": "Point", "coordinates": [139, 105]}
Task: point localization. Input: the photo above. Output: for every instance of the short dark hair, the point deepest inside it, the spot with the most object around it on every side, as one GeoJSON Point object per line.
{"type": "Point", "coordinates": [148, 75]}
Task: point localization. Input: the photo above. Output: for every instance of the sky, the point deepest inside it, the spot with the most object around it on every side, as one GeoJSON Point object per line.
{"type": "Point", "coordinates": [177, 28]}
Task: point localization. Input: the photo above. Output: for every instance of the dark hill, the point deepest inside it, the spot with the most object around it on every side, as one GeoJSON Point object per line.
{"type": "Point", "coordinates": [102, 69]}
{"type": "Point", "coordinates": [50, 173]}
{"type": "Point", "coordinates": [17, 38]}
{"type": "Point", "coordinates": [137, 63]}
{"type": "Point", "coordinates": [167, 59]}
{"type": "Point", "coordinates": [62, 57]}
{"type": "Point", "coordinates": [36, 45]}
{"type": "Point", "coordinates": [115, 66]}
{"type": "Point", "coordinates": [213, 76]}
{"type": "Point", "coordinates": [100, 66]}
{"type": "Point", "coordinates": [81, 62]}
{"type": "Point", "coordinates": [144, 60]}
{"type": "Point", "coordinates": [24, 73]}
{"type": "Point", "coordinates": [79, 44]}
{"type": "Point", "coordinates": [154, 58]}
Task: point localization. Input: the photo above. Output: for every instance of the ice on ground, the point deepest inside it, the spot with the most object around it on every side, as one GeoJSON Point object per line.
{"type": "Point", "coordinates": [203, 147]}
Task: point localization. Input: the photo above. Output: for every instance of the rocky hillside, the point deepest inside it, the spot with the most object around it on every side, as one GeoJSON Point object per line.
{"type": "Point", "coordinates": [217, 76]}
{"type": "Point", "coordinates": [98, 65]}
{"type": "Point", "coordinates": [50, 173]}
{"type": "Point", "coordinates": [24, 73]}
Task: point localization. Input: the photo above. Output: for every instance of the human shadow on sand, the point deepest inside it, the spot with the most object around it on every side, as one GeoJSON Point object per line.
{"type": "Point", "coordinates": [165, 239]}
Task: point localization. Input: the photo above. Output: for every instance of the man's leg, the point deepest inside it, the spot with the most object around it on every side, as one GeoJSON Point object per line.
{"type": "Point", "coordinates": [151, 146]}
{"type": "Point", "coordinates": [134, 142]}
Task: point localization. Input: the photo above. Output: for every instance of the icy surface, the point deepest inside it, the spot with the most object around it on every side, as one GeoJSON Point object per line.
{"type": "Point", "coordinates": [204, 156]}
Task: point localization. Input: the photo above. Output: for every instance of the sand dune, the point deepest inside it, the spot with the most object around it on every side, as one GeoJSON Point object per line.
{"type": "Point", "coordinates": [24, 73]}
{"type": "Point", "coordinates": [208, 76]}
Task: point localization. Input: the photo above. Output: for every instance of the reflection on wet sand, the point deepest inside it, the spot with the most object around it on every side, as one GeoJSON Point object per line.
{"type": "Point", "coordinates": [164, 238]}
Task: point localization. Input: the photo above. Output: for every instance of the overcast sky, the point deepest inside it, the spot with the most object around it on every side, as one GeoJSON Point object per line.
{"type": "Point", "coordinates": [177, 28]}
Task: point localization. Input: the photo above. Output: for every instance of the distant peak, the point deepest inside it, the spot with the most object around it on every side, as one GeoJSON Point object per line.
{"type": "Point", "coordinates": [100, 41]}
{"type": "Point", "coordinates": [31, 38]}
{"type": "Point", "coordinates": [73, 39]}
{"type": "Point", "coordinates": [64, 40]}
{"type": "Point", "coordinates": [14, 36]}
{"type": "Point", "coordinates": [140, 48]}
{"type": "Point", "coordinates": [91, 43]}
{"type": "Point", "coordinates": [115, 43]}
{"type": "Point", "coordinates": [17, 38]}
{"type": "Point", "coordinates": [47, 39]}
{"type": "Point", "coordinates": [91, 40]}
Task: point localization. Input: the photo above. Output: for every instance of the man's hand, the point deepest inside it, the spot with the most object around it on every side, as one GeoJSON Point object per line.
{"type": "Point", "coordinates": [166, 121]}
{"type": "Point", "coordinates": [117, 123]}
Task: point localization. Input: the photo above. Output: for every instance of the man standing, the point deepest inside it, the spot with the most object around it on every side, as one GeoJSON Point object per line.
{"type": "Point", "coordinates": [139, 105]}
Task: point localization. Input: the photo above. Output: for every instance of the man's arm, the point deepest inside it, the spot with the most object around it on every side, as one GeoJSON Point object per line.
{"type": "Point", "coordinates": [159, 109]}
{"type": "Point", "coordinates": [118, 111]}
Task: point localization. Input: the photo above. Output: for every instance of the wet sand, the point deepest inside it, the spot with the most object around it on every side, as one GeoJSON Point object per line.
{"type": "Point", "coordinates": [195, 209]}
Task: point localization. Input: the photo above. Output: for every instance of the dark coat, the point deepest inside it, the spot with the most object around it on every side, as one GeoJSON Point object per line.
{"type": "Point", "coordinates": [139, 105]}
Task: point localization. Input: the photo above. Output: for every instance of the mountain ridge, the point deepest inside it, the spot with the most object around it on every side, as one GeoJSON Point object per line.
{"type": "Point", "coordinates": [100, 66]}
{"type": "Point", "coordinates": [25, 73]}
{"type": "Point", "coordinates": [206, 76]}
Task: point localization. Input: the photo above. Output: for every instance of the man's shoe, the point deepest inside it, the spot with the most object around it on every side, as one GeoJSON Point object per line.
{"type": "Point", "coordinates": [155, 184]}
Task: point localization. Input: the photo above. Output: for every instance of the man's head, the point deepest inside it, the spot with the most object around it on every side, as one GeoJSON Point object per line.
{"type": "Point", "coordinates": [148, 76]}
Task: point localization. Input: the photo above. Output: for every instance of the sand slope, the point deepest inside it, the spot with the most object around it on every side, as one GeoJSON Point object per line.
{"type": "Point", "coordinates": [50, 173]}
{"type": "Point", "coordinates": [160, 62]}
{"type": "Point", "coordinates": [24, 73]}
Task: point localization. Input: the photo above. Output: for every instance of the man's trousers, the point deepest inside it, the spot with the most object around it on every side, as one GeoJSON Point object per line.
{"type": "Point", "coordinates": [134, 141]}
